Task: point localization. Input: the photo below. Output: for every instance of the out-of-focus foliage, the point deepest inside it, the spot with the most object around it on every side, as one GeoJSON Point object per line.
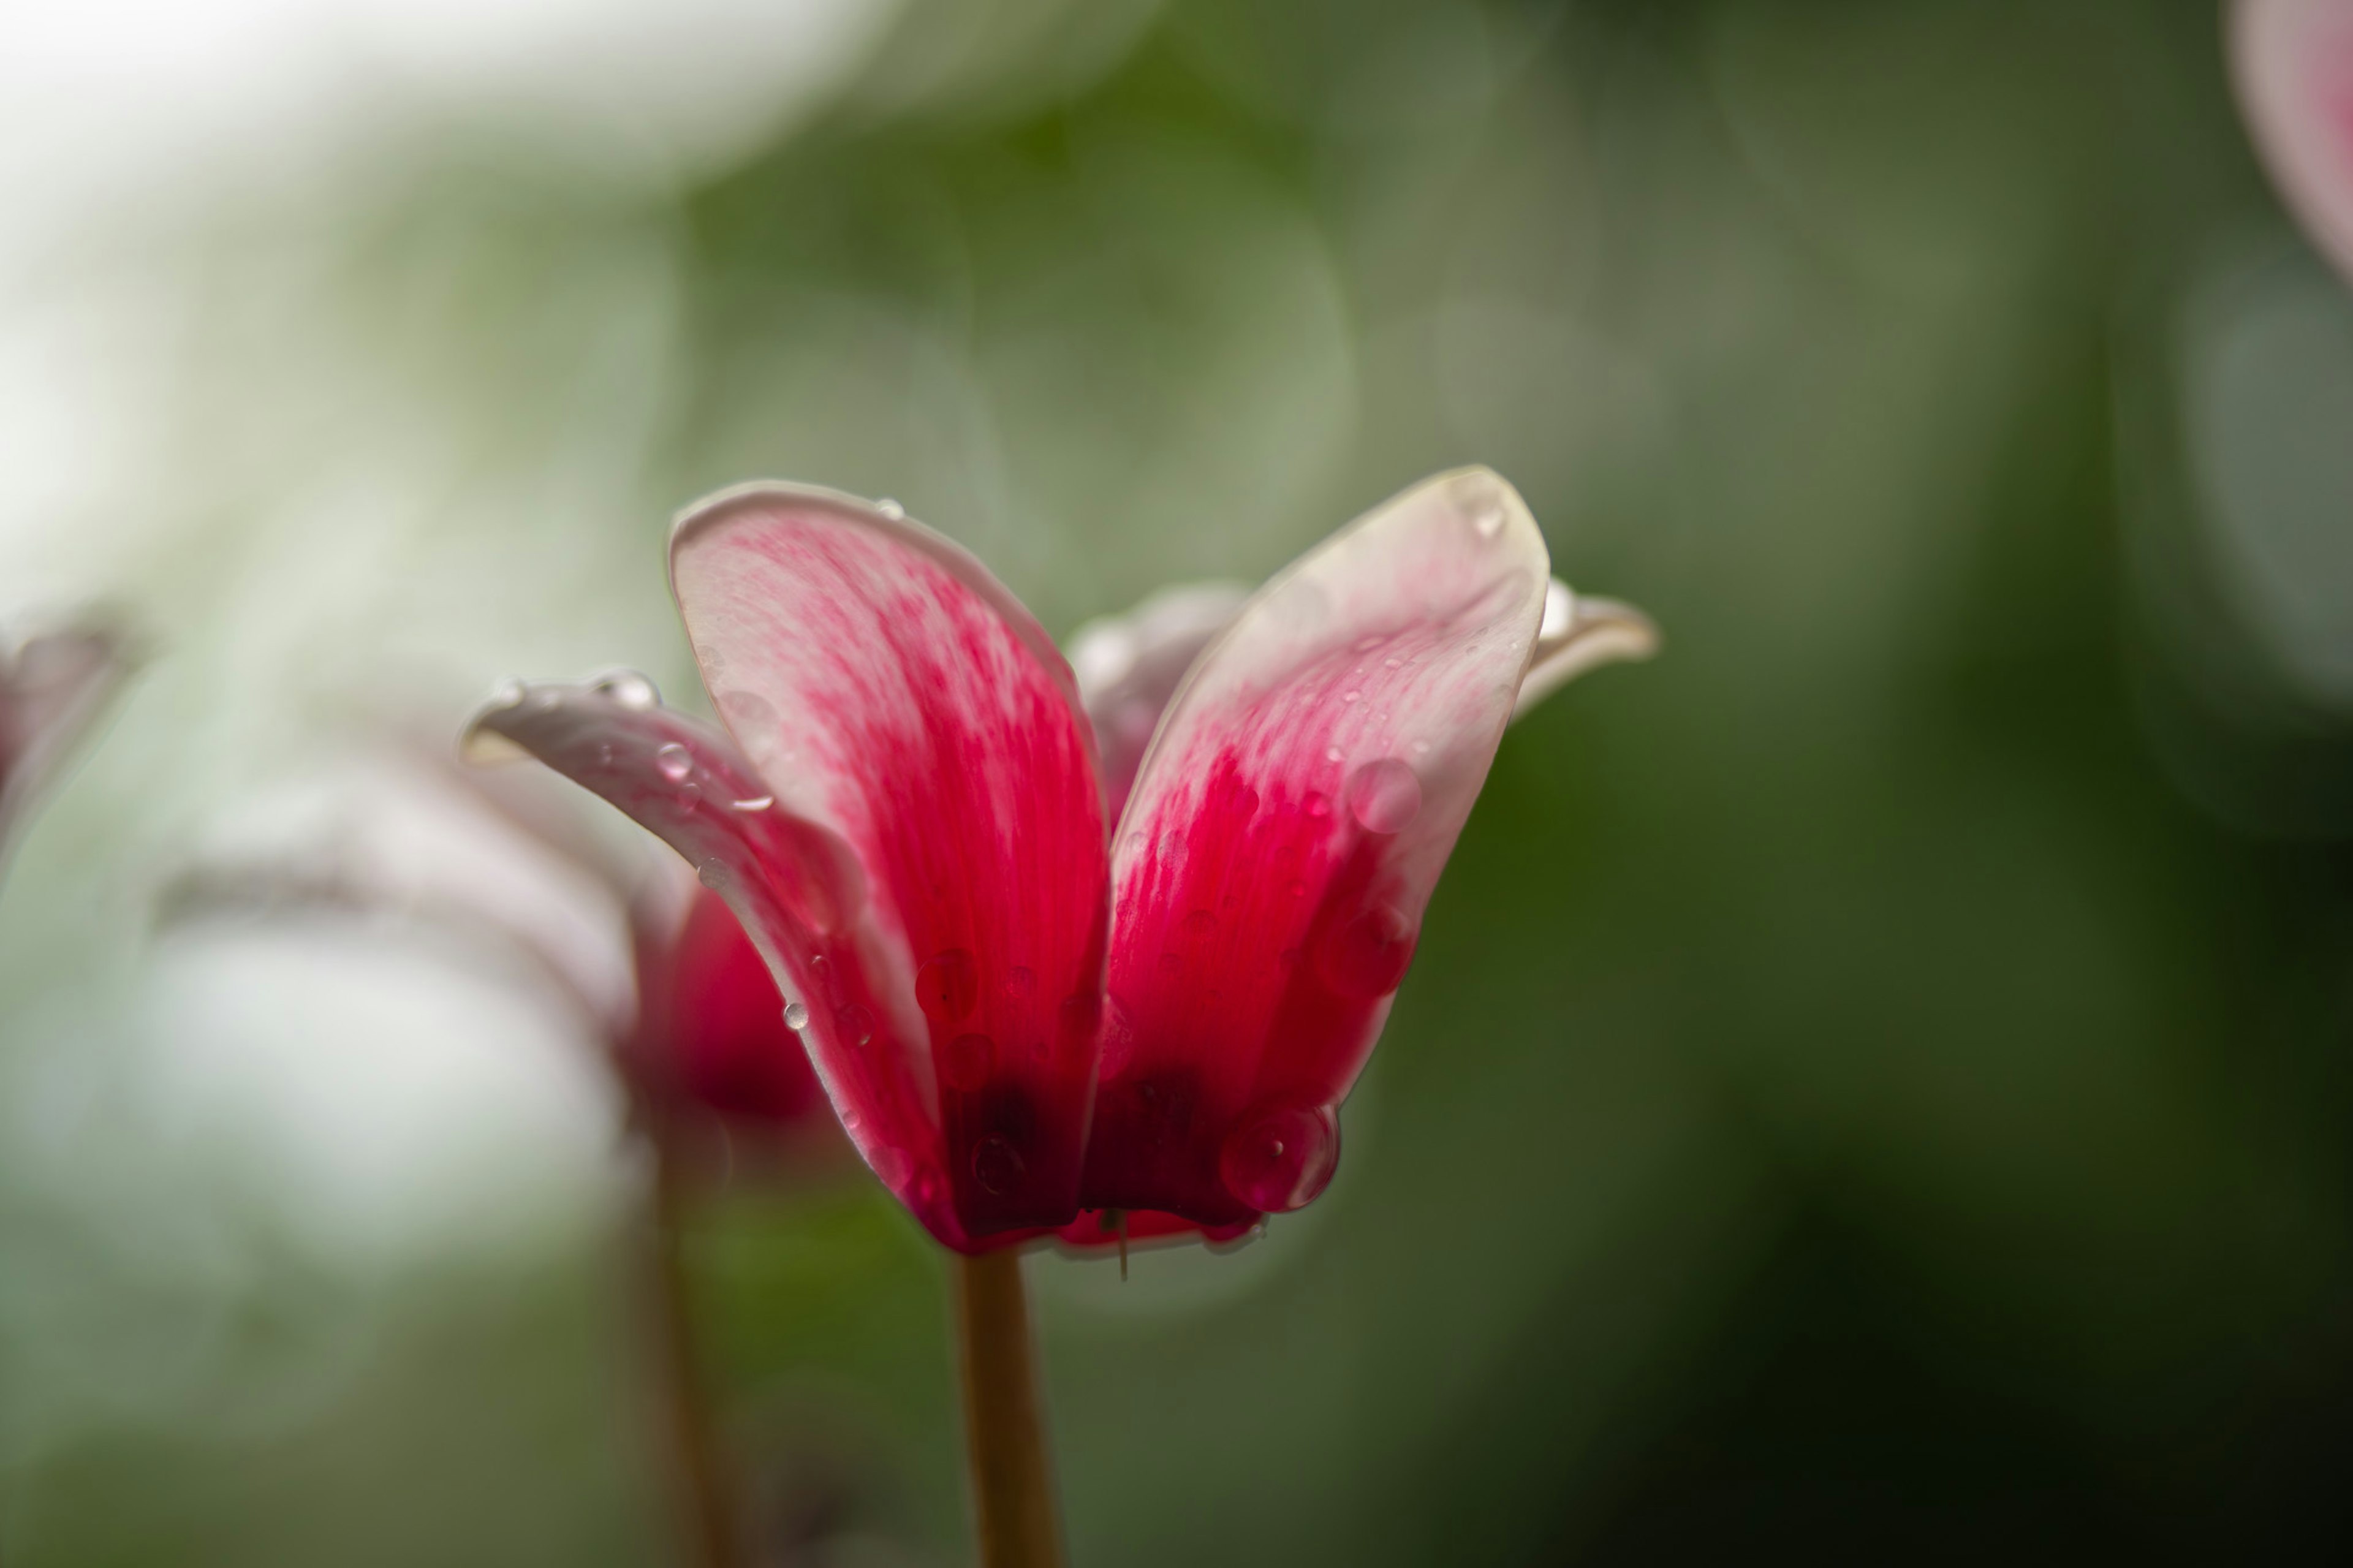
{"type": "Point", "coordinates": [1873, 1082]}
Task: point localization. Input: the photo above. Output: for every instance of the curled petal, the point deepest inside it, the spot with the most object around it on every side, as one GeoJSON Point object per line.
{"type": "Point", "coordinates": [1581, 633]}
{"type": "Point", "coordinates": [1129, 666]}
{"type": "Point", "coordinates": [53, 685]}
{"type": "Point", "coordinates": [2292, 63]}
{"type": "Point", "coordinates": [1305, 789]}
{"type": "Point", "coordinates": [796, 889]}
{"type": "Point", "coordinates": [894, 696]}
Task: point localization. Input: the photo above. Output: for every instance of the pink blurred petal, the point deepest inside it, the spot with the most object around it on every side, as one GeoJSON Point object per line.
{"type": "Point", "coordinates": [1271, 868]}
{"type": "Point", "coordinates": [897, 698]}
{"type": "Point", "coordinates": [711, 1023]}
{"type": "Point", "coordinates": [2293, 63]}
{"type": "Point", "coordinates": [1129, 666]}
{"type": "Point", "coordinates": [53, 685]}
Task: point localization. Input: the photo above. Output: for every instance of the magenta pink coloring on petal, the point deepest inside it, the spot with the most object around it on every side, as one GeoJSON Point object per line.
{"type": "Point", "coordinates": [896, 697]}
{"type": "Point", "coordinates": [1283, 838]}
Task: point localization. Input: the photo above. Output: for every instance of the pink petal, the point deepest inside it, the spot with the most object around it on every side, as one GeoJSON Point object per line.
{"type": "Point", "coordinates": [710, 1023]}
{"type": "Point", "coordinates": [897, 696]}
{"type": "Point", "coordinates": [794, 884]}
{"type": "Point", "coordinates": [1129, 666]}
{"type": "Point", "coordinates": [1285, 833]}
{"type": "Point", "coordinates": [2292, 60]}
{"type": "Point", "coordinates": [53, 685]}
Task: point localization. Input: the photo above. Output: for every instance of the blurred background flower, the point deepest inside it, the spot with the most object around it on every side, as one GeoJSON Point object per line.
{"type": "Point", "coordinates": [1874, 1086]}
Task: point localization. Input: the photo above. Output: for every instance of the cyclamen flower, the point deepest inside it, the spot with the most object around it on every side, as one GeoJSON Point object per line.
{"type": "Point", "coordinates": [1019, 1010]}
{"type": "Point", "coordinates": [653, 965]}
{"type": "Point", "coordinates": [2293, 64]}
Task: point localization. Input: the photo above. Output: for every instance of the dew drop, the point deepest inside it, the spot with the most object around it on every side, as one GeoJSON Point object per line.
{"type": "Point", "coordinates": [547, 699]}
{"type": "Point", "coordinates": [1367, 957]}
{"type": "Point", "coordinates": [1366, 644]}
{"type": "Point", "coordinates": [757, 802]}
{"type": "Point", "coordinates": [1296, 887]}
{"type": "Point", "coordinates": [714, 876]}
{"type": "Point", "coordinates": [508, 693]}
{"type": "Point", "coordinates": [1383, 797]}
{"type": "Point", "coordinates": [891, 1166]}
{"type": "Point", "coordinates": [947, 985]}
{"type": "Point", "coordinates": [629, 689]}
{"type": "Point", "coordinates": [1351, 696]}
{"type": "Point", "coordinates": [891, 509]}
{"type": "Point", "coordinates": [1201, 923]}
{"type": "Point", "coordinates": [1134, 843]}
{"type": "Point", "coordinates": [674, 761]}
{"type": "Point", "coordinates": [967, 1062]}
{"type": "Point", "coordinates": [1332, 753]}
{"type": "Point", "coordinates": [1318, 806]}
{"type": "Point", "coordinates": [1392, 662]}
{"type": "Point", "coordinates": [997, 1164]}
{"type": "Point", "coordinates": [856, 1024]}
{"type": "Point", "coordinates": [1422, 748]}
{"type": "Point", "coordinates": [796, 1016]}
{"type": "Point", "coordinates": [1171, 962]}
{"type": "Point", "coordinates": [1020, 983]}
{"type": "Point", "coordinates": [1278, 1157]}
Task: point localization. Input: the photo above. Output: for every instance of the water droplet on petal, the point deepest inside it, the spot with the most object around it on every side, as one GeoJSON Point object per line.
{"type": "Point", "coordinates": [1351, 696]}
{"type": "Point", "coordinates": [1278, 1158]}
{"type": "Point", "coordinates": [1366, 644]}
{"type": "Point", "coordinates": [856, 1024]}
{"type": "Point", "coordinates": [1171, 962]}
{"type": "Point", "coordinates": [1020, 983]}
{"type": "Point", "coordinates": [891, 509]}
{"type": "Point", "coordinates": [1316, 804]}
{"type": "Point", "coordinates": [1366, 956]}
{"type": "Point", "coordinates": [968, 1061]}
{"type": "Point", "coordinates": [1201, 923]}
{"type": "Point", "coordinates": [629, 689]}
{"type": "Point", "coordinates": [891, 1165]}
{"type": "Point", "coordinates": [674, 761]}
{"type": "Point", "coordinates": [758, 803]}
{"type": "Point", "coordinates": [947, 985]}
{"type": "Point", "coordinates": [796, 1016]}
{"type": "Point", "coordinates": [714, 876]}
{"type": "Point", "coordinates": [1332, 753]}
{"type": "Point", "coordinates": [508, 693]}
{"type": "Point", "coordinates": [997, 1164]}
{"type": "Point", "coordinates": [1383, 796]}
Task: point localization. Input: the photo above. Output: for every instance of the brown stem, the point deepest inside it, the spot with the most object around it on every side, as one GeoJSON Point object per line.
{"type": "Point", "coordinates": [1004, 1431]}
{"type": "Point", "coordinates": [706, 1500]}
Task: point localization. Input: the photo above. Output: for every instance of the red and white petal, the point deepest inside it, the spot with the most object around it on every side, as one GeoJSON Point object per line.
{"type": "Point", "coordinates": [893, 693]}
{"type": "Point", "coordinates": [1285, 833]}
{"type": "Point", "coordinates": [1129, 666]}
{"type": "Point", "coordinates": [794, 884]}
{"type": "Point", "coordinates": [2293, 62]}
{"type": "Point", "coordinates": [1581, 633]}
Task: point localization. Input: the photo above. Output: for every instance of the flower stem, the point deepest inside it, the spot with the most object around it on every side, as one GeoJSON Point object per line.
{"type": "Point", "coordinates": [706, 1500]}
{"type": "Point", "coordinates": [1004, 1431]}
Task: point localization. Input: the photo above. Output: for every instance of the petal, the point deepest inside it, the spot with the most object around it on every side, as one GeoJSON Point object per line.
{"type": "Point", "coordinates": [895, 695]}
{"type": "Point", "coordinates": [794, 884]}
{"type": "Point", "coordinates": [52, 686]}
{"type": "Point", "coordinates": [1581, 633]}
{"type": "Point", "coordinates": [1285, 833]}
{"type": "Point", "coordinates": [2293, 63]}
{"type": "Point", "coordinates": [1129, 666]}
{"type": "Point", "coordinates": [712, 1024]}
